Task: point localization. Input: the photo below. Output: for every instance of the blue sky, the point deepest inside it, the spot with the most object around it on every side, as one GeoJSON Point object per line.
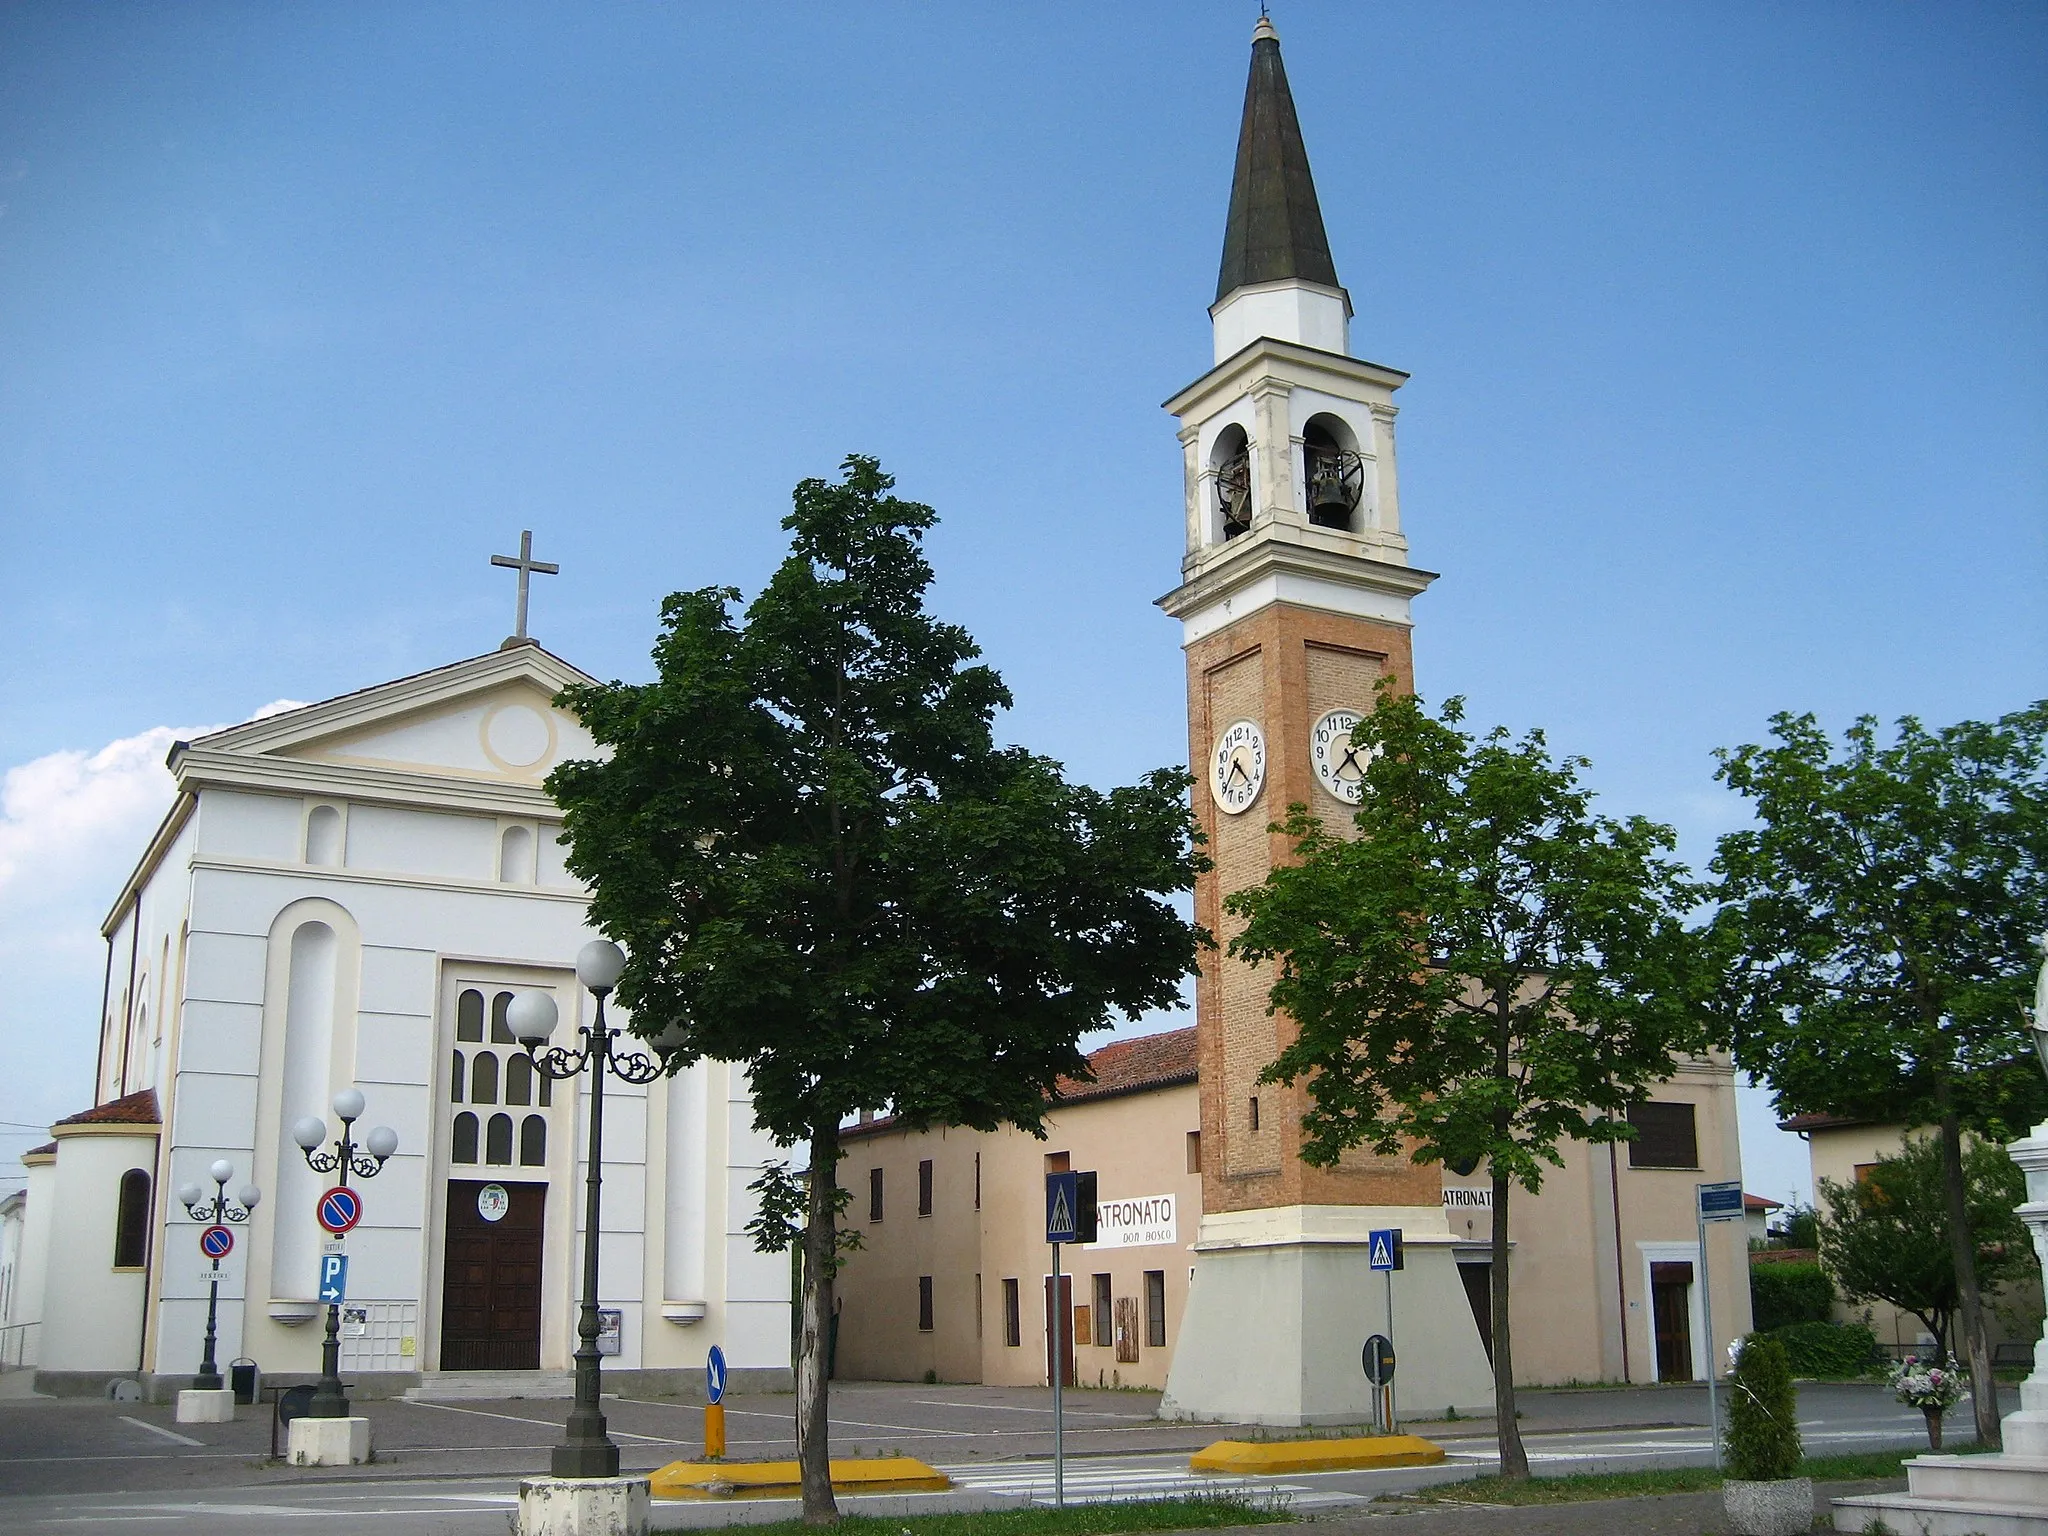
{"type": "Point", "coordinates": [1726, 325]}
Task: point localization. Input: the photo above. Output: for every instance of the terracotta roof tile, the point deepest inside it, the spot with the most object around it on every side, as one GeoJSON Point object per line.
{"type": "Point", "coordinates": [132, 1109]}
{"type": "Point", "coordinates": [49, 1147]}
{"type": "Point", "coordinates": [1819, 1122]}
{"type": "Point", "coordinates": [1127, 1066]}
{"type": "Point", "coordinates": [1749, 1203]}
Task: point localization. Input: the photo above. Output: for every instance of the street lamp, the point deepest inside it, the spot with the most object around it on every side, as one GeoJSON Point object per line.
{"type": "Point", "coordinates": [213, 1212]}
{"type": "Point", "coordinates": [586, 1450]}
{"type": "Point", "coordinates": [329, 1402]}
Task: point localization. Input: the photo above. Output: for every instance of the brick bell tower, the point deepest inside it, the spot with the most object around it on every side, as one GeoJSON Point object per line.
{"type": "Point", "coordinates": [1293, 603]}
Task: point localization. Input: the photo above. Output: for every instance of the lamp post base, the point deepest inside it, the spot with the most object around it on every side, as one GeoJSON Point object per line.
{"type": "Point", "coordinates": [582, 1506]}
{"type": "Point", "coordinates": [206, 1405]}
{"type": "Point", "coordinates": [585, 1459]}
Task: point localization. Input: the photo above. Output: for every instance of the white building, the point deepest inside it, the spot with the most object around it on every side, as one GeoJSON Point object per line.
{"type": "Point", "coordinates": [348, 894]}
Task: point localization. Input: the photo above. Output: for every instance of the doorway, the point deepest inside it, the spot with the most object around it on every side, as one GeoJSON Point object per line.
{"type": "Point", "coordinates": [490, 1289]}
{"type": "Point", "coordinates": [1671, 1317]}
{"type": "Point", "coordinates": [1066, 1306]}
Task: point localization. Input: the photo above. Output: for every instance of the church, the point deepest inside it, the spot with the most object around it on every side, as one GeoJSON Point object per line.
{"type": "Point", "coordinates": [348, 895]}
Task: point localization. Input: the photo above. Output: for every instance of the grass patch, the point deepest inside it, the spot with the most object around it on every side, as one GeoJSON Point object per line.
{"type": "Point", "coordinates": [1196, 1512]}
{"type": "Point", "coordinates": [1868, 1466]}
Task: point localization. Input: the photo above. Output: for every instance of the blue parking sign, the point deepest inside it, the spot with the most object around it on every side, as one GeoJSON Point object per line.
{"type": "Point", "coordinates": [333, 1277]}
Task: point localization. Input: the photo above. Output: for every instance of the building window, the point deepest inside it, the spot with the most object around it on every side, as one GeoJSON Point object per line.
{"type": "Point", "coordinates": [1194, 1151]}
{"type": "Point", "coordinates": [1102, 1311]}
{"type": "Point", "coordinates": [1013, 1329]}
{"type": "Point", "coordinates": [1155, 1309]}
{"type": "Point", "coordinates": [323, 836]}
{"type": "Point", "coordinates": [456, 1080]}
{"type": "Point", "coordinates": [874, 1194]}
{"type": "Point", "coordinates": [131, 1221]}
{"type": "Point", "coordinates": [1058, 1162]}
{"type": "Point", "coordinates": [483, 1079]}
{"type": "Point", "coordinates": [469, 1015]}
{"type": "Point", "coordinates": [1863, 1173]}
{"type": "Point", "coordinates": [1665, 1137]}
{"type": "Point", "coordinates": [498, 1140]}
{"type": "Point", "coordinates": [464, 1148]}
{"type": "Point", "coordinates": [924, 1187]}
{"type": "Point", "coordinates": [924, 1303]}
{"type": "Point", "coordinates": [1255, 1111]}
{"type": "Point", "coordinates": [518, 1080]}
{"type": "Point", "coordinates": [501, 1028]}
{"type": "Point", "coordinates": [533, 1142]}
{"type": "Point", "coordinates": [515, 856]}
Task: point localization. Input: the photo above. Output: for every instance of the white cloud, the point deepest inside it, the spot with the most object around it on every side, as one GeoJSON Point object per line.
{"type": "Point", "coordinates": [72, 825]}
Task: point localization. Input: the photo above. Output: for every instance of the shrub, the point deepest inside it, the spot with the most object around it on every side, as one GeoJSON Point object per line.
{"type": "Point", "coordinates": [1829, 1349]}
{"type": "Point", "coordinates": [1763, 1425]}
{"type": "Point", "coordinates": [1783, 1294]}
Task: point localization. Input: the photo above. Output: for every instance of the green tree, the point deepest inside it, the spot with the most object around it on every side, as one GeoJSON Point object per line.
{"type": "Point", "coordinates": [1763, 1413]}
{"type": "Point", "coordinates": [824, 868]}
{"type": "Point", "coordinates": [1885, 1237]}
{"type": "Point", "coordinates": [1876, 926]}
{"type": "Point", "coordinates": [1483, 971]}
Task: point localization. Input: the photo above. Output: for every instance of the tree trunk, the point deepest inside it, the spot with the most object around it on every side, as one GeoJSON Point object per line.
{"type": "Point", "coordinates": [1962, 1244]}
{"type": "Point", "coordinates": [1514, 1461]}
{"type": "Point", "coordinates": [813, 1407]}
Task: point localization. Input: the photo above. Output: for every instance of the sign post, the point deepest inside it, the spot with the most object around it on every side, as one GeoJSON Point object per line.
{"type": "Point", "coordinates": [1717, 1202]}
{"type": "Point", "coordinates": [1384, 1253]}
{"type": "Point", "coordinates": [1069, 1218]}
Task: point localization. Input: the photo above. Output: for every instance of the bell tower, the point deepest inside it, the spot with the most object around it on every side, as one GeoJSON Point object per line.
{"type": "Point", "coordinates": [1294, 601]}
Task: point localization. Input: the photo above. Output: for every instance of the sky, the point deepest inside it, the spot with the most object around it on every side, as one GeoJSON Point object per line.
{"type": "Point", "coordinates": [1726, 325]}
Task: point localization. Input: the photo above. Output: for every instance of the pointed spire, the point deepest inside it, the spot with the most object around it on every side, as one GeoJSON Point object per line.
{"type": "Point", "coordinates": [1275, 229]}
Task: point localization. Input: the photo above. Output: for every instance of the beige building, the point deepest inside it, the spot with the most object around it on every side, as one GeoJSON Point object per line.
{"type": "Point", "coordinates": [953, 1275]}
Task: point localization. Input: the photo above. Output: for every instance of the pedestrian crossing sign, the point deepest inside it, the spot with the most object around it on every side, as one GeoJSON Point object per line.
{"type": "Point", "coordinates": [1383, 1248]}
{"type": "Point", "coordinates": [1062, 1202]}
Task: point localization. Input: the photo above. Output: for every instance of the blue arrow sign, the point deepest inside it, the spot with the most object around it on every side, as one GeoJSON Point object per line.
{"type": "Point", "coordinates": [333, 1277]}
{"type": "Point", "coordinates": [216, 1242]}
{"type": "Point", "coordinates": [714, 1375]}
{"type": "Point", "coordinates": [1062, 1201]}
{"type": "Point", "coordinates": [1383, 1247]}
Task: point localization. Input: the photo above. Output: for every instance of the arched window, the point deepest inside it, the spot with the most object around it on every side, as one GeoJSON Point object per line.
{"type": "Point", "coordinates": [464, 1148]}
{"type": "Point", "coordinates": [498, 1140]}
{"type": "Point", "coordinates": [515, 856]}
{"type": "Point", "coordinates": [501, 1032]}
{"type": "Point", "coordinates": [1230, 464]}
{"type": "Point", "coordinates": [131, 1221]}
{"type": "Point", "coordinates": [469, 1015]}
{"type": "Point", "coordinates": [533, 1142]}
{"type": "Point", "coordinates": [323, 836]}
{"type": "Point", "coordinates": [483, 1082]}
{"type": "Point", "coordinates": [1335, 474]}
{"type": "Point", "coordinates": [455, 1081]}
{"type": "Point", "coordinates": [518, 1080]}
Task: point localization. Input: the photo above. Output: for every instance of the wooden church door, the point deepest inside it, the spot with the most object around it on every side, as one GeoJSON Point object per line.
{"type": "Point", "coordinates": [490, 1297]}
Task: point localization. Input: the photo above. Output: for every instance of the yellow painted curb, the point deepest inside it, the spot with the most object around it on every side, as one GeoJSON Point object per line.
{"type": "Point", "coordinates": [1282, 1456]}
{"type": "Point", "coordinates": [780, 1479]}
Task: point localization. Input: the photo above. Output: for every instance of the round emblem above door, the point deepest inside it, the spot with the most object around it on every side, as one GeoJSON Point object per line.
{"type": "Point", "coordinates": [1237, 768]}
{"type": "Point", "coordinates": [492, 1203]}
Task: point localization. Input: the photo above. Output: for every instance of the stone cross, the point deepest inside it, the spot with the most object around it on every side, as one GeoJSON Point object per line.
{"type": "Point", "coordinates": [526, 566]}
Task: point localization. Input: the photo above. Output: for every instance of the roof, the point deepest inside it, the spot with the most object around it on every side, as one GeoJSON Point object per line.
{"type": "Point", "coordinates": [1819, 1122]}
{"type": "Point", "coordinates": [47, 1149]}
{"type": "Point", "coordinates": [1759, 1203]}
{"type": "Point", "coordinates": [1133, 1066]}
{"type": "Point", "coordinates": [130, 1109]}
{"type": "Point", "coordinates": [1275, 228]}
{"type": "Point", "coordinates": [1123, 1066]}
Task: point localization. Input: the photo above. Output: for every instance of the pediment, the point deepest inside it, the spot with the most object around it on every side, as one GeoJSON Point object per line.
{"type": "Point", "coordinates": [491, 717]}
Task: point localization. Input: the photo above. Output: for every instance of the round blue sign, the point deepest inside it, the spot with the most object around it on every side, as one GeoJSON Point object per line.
{"type": "Point", "coordinates": [339, 1209]}
{"type": "Point", "coordinates": [714, 1375]}
{"type": "Point", "coordinates": [216, 1242]}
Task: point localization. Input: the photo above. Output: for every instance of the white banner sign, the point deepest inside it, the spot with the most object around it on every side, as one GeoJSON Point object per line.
{"type": "Point", "coordinates": [1141, 1222]}
{"type": "Point", "coordinates": [1459, 1197]}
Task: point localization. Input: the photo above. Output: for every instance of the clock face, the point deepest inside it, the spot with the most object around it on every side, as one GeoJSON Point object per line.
{"type": "Point", "coordinates": [1339, 765]}
{"type": "Point", "coordinates": [1238, 767]}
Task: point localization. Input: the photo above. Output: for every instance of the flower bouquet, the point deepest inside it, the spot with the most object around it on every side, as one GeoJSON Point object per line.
{"type": "Point", "coordinates": [1932, 1386]}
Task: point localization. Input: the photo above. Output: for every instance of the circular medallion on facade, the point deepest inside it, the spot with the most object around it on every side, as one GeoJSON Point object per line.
{"type": "Point", "coordinates": [1237, 768]}
{"type": "Point", "coordinates": [517, 735]}
{"type": "Point", "coordinates": [492, 1203]}
{"type": "Point", "coordinates": [1340, 766]}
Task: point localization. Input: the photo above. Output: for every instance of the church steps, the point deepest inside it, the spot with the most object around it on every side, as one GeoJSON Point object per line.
{"type": "Point", "coordinates": [473, 1386]}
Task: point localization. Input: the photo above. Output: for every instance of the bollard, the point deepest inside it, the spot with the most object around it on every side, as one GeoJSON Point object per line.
{"type": "Point", "coordinates": [714, 1431]}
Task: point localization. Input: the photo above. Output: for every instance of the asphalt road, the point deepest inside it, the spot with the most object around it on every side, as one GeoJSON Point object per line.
{"type": "Point", "coordinates": [454, 1467]}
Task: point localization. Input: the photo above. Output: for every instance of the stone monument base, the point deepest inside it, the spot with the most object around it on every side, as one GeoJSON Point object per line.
{"type": "Point", "coordinates": [327, 1442]}
{"type": "Point", "coordinates": [582, 1506]}
{"type": "Point", "coordinates": [206, 1405]}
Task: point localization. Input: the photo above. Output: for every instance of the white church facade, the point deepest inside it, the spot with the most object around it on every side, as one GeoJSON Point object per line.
{"type": "Point", "coordinates": [347, 895]}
